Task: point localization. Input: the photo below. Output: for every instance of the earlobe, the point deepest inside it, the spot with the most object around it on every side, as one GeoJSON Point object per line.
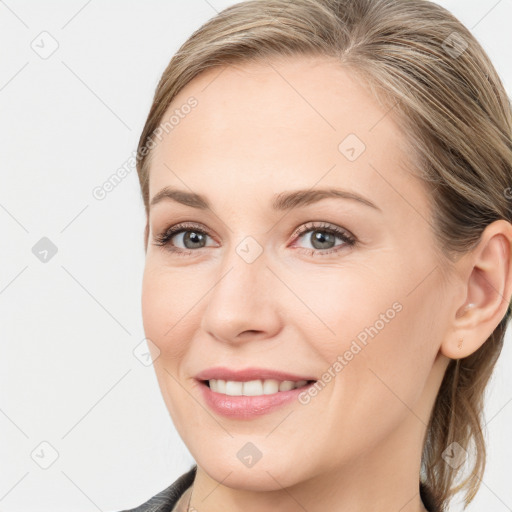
{"type": "Point", "coordinates": [487, 274]}
{"type": "Point", "coordinates": [461, 350]}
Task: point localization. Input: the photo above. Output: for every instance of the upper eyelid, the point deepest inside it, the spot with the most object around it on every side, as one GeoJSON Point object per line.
{"type": "Point", "coordinates": [185, 225]}
{"type": "Point", "coordinates": [304, 228]}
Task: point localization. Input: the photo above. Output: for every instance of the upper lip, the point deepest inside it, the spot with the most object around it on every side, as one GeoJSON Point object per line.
{"type": "Point", "coordinates": [246, 374]}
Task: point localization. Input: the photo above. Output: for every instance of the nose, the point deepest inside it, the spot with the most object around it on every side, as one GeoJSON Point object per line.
{"type": "Point", "coordinates": [242, 304]}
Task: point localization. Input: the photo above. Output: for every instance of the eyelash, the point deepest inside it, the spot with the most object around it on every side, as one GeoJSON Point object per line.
{"type": "Point", "coordinates": [349, 240]}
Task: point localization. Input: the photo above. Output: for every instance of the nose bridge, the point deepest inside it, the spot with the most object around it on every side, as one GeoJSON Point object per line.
{"type": "Point", "coordinates": [240, 300]}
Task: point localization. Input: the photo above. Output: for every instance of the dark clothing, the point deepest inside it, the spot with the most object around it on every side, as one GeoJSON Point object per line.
{"type": "Point", "coordinates": [165, 500]}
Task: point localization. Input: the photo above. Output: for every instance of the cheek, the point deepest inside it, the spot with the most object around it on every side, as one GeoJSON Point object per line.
{"type": "Point", "coordinates": [345, 306]}
{"type": "Point", "coordinates": [373, 331]}
{"type": "Point", "coordinates": [167, 308]}
{"type": "Point", "coordinates": [167, 319]}
{"type": "Point", "coordinates": [395, 350]}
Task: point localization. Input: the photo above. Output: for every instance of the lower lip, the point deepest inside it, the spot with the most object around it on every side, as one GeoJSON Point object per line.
{"type": "Point", "coordinates": [247, 407]}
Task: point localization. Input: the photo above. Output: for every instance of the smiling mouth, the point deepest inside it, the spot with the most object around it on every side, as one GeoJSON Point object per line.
{"type": "Point", "coordinates": [256, 387]}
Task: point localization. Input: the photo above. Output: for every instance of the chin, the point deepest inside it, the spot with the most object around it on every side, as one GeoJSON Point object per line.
{"type": "Point", "coordinates": [270, 473]}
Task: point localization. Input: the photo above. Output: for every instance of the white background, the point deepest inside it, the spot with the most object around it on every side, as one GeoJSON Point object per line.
{"type": "Point", "coordinates": [68, 327]}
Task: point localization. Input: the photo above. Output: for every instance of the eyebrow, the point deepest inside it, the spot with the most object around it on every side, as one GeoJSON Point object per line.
{"type": "Point", "coordinates": [281, 202]}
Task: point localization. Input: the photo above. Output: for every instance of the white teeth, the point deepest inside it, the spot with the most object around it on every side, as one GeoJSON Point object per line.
{"type": "Point", "coordinates": [221, 386]}
{"type": "Point", "coordinates": [234, 388]}
{"type": "Point", "coordinates": [253, 387]}
{"type": "Point", "coordinates": [286, 385]}
{"type": "Point", "coordinates": [270, 386]}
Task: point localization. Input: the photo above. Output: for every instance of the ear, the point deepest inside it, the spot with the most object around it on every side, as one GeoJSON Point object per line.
{"type": "Point", "coordinates": [487, 279]}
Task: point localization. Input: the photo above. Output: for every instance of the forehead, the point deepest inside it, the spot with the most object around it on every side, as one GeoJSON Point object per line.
{"type": "Point", "coordinates": [281, 124]}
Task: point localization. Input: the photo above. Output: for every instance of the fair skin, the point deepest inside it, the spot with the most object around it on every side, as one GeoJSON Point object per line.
{"type": "Point", "coordinates": [260, 130]}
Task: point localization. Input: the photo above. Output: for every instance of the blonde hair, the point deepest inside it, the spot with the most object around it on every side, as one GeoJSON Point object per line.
{"type": "Point", "coordinates": [439, 82]}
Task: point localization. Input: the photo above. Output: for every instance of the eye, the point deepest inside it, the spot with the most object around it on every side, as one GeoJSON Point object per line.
{"type": "Point", "coordinates": [190, 238]}
{"type": "Point", "coordinates": [188, 235]}
{"type": "Point", "coordinates": [323, 237]}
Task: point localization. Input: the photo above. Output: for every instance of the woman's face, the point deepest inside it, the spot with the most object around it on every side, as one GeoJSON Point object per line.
{"type": "Point", "coordinates": [317, 285]}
